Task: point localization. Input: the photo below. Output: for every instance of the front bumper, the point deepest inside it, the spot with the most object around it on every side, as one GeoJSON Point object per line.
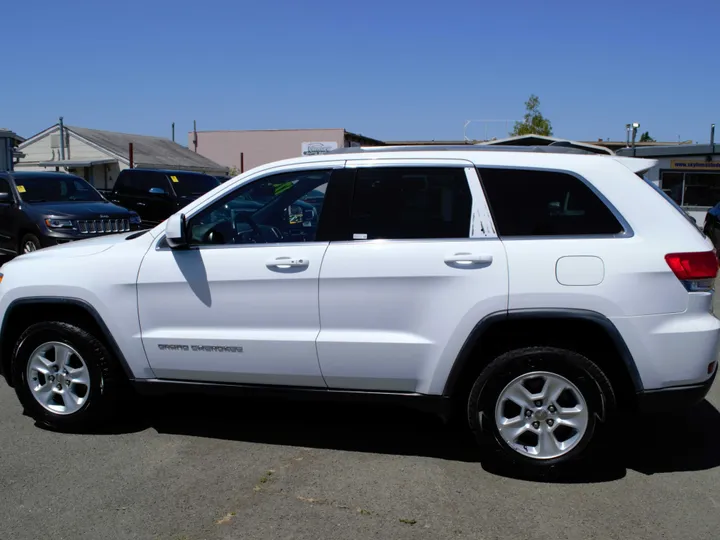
{"type": "Point", "coordinates": [674, 399]}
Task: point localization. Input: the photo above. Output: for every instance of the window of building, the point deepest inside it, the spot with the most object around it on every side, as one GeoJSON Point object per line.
{"type": "Point", "coordinates": [672, 184]}
{"type": "Point", "coordinates": [692, 189]}
{"type": "Point", "coordinates": [410, 202]}
{"type": "Point", "coordinates": [544, 203]}
{"type": "Point", "coordinates": [702, 189]}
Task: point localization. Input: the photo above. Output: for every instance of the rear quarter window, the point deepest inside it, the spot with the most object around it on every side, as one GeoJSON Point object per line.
{"type": "Point", "coordinates": [545, 203]}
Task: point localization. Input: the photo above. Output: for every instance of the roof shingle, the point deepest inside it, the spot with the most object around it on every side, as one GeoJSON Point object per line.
{"type": "Point", "coordinates": [156, 152]}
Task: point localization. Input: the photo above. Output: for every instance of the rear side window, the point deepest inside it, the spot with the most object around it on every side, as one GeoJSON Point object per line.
{"type": "Point", "coordinates": [545, 203]}
{"type": "Point", "coordinates": [410, 202]}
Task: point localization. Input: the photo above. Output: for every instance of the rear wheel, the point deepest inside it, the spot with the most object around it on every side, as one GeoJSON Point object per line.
{"type": "Point", "coordinates": [64, 376]}
{"type": "Point", "coordinates": [540, 408]}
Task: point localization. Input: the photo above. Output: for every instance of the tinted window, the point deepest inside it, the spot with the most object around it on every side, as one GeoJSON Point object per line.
{"type": "Point", "coordinates": [267, 210]}
{"type": "Point", "coordinates": [187, 185]}
{"type": "Point", "coordinates": [4, 186]}
{"type": "Point", "coordinates": [544, 203]}
{"type": "Point", "coordinates": [145, 180]}
{"type": "Point", "coordinates": [55, 188]}
{"type": "Point", "coordinates": [410, 202]}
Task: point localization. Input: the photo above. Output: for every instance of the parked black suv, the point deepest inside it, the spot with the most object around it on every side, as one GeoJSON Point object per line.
{"type": "Point", "coordinates": [157, 194]}
{"type": "Point", "coordinates": [41, 209]}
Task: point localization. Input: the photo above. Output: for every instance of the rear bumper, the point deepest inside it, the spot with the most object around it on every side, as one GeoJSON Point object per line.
{"type": "Point", "coordinates": [674, 399]}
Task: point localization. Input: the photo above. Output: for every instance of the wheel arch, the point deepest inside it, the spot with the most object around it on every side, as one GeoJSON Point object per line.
{"type": "Point", "coordinates": [22, 312]}
{"type": "Point", "coordinates": [587, 332]}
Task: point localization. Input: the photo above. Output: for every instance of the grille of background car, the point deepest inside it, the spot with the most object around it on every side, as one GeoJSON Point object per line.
{"type": "Point", "coordinates": [100, 226]}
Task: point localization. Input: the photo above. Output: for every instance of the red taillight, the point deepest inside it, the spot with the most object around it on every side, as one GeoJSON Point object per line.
{"type": "Point", "coordinates": [691, 266]}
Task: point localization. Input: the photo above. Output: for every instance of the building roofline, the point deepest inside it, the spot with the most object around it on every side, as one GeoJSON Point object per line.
{"type": "Point", "coordinates": [671, 150]}
{"type": "Point", "coordinates": [256, 130]}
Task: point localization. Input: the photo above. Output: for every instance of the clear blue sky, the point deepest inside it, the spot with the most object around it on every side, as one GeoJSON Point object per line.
{"type": "Point", "coordinates": [390, 69]}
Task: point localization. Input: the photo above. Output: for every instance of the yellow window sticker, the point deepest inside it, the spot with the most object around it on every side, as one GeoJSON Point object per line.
{"type": "Point", "coordinates": [174, 178]}
{"type": "Point", "coordinates": [21, 189]}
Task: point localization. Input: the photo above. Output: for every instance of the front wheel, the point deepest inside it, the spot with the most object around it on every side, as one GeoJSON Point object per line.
{"type": "Point", "coordinates": [65, 377]}
{"type": "Point", "coordinates": [540, 408]}
{"type": "Point", "coordinates": [29, 243]}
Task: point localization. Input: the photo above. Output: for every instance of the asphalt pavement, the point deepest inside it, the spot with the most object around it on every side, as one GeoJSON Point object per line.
{"type": "Point", "coordinates": [193, 468]}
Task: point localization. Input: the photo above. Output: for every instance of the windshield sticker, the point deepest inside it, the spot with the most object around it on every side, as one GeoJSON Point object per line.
{"type": "Point", "coordinates": [174, 178]}
{"type": "Point", "coordinates": [21, 189]}
{"type": "Point", "coordinates": [281, 188]}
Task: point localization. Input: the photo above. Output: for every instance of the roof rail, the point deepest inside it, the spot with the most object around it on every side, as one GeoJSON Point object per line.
{"type": "Point", "coordinates": [550, 149]}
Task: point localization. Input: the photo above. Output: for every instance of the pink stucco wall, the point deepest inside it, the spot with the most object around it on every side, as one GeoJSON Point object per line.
{"type": "Point", "coordinates": [259, 147]}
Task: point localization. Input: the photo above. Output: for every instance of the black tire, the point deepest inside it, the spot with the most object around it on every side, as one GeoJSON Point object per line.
{"type": "Point", "coordinates": [576, 368]}
{"type": "Point", "coordinates": [29, 238]}
{"type": "Point", "coordinates": [105, 375]}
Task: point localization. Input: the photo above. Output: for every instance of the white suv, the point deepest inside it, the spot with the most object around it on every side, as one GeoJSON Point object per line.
{"type": "Point", "coordinates": [538, 289]}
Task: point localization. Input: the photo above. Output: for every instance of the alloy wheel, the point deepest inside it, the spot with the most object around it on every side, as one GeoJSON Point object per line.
{"type": "Point", "coordinates": [541, 415]}
{"type": "Point", "coordinates": [58, 378]}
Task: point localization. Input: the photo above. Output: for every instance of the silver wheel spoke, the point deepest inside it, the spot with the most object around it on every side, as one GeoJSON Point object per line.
{"type": "Point", "coordinates": [552, 388]}
{"type": "Point", "coordinates": [520, 395]}
{"type": "Point", "coordinates": [571, 416]}
{"type": "Point", "coordinates": [43, 392]}
{"type": "Point", "coordinates": [70, 400]}
{"type": "Point", "coordinates": [62, 355]}
{"type": "Point", "coordinates": [511, 432]}
{"type": "Point", "coordinates": [547, 444]}
{"type": "Point", "coordinates": [39, 363]}
{"type": "Point", "coordinates": [79, 376]}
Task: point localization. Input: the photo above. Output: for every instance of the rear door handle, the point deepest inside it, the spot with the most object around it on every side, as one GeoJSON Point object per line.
{"type": "Point", "coordinates": [287, 262]}
{"type": "Point", "coordinates": [140, 204]}
{"type": "Point", "coordinates": [469, 259]}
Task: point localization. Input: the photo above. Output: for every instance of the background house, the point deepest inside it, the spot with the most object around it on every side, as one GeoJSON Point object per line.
{"type": "Point", "coordinates": [246, 149]}
{"type": "Point", "coordinates": [99, 156]}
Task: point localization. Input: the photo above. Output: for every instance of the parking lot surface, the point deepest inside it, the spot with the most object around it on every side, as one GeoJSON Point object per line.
{"type": "Point", "coordinates": [196, 468]}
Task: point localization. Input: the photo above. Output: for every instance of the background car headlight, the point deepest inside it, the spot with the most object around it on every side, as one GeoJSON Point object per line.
{"type": "Point", "coordinates": [135, 219]}
{"type": "Point", "coordinates": [59, 223]}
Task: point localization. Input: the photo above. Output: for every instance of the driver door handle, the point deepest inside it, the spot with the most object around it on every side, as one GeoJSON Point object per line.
{"type": "Point", "coordinates": [468, 259]}
{"type": "Point", "coordinates": [287, 262]}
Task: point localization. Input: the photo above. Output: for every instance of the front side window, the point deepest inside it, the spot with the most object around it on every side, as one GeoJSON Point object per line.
{"type": "Point", "coordinates": [410, 202]}
{"type": "Point", "coordinates": [545, 203]}
{"type": "Point", "coordinates": [267, 210]}
{"type": "Point", "coordinates": [55, 188]}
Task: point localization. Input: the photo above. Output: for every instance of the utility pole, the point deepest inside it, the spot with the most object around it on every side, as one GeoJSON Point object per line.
{"type": "Point", "coordinates": [173, 131]}
{"type": "Point", "coordinates": [62, 140]}
{"type": "Point", "coordinates": [635, 127]}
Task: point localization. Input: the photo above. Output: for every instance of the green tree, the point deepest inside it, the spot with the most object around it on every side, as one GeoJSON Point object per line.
{"type": "Point", "coordinates": [645, 137]}
{"type": "Point", "coordinates": [534, 123]}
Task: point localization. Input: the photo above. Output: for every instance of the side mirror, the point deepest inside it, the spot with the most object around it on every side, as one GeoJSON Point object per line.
{"type": "Point", "coordinates": [5, 198]}
{"type": "Point", "coordinates": [157, 191]}
{"type": "Point", "coordinates": [176, 231]}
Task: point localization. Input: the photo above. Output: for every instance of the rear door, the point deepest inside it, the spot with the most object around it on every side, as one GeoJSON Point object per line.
{"type": "Point", "coordinates": [415, 266]}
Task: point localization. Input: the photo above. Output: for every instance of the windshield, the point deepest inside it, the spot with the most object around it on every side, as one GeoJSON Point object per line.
{"type": "Point", "coordinates": [56, 188]}
{"type": "Point", "coordinates": [186, 185]}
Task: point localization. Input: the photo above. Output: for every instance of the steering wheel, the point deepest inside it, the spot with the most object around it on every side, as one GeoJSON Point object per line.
{"type": "Point", "coordinates": [258, 233]}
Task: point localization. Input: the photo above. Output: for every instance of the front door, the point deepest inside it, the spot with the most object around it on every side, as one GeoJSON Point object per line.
{"type": "Point", "coordinates": [241, 304]}
{"type": "Point", "coordinates": [419, 267]}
